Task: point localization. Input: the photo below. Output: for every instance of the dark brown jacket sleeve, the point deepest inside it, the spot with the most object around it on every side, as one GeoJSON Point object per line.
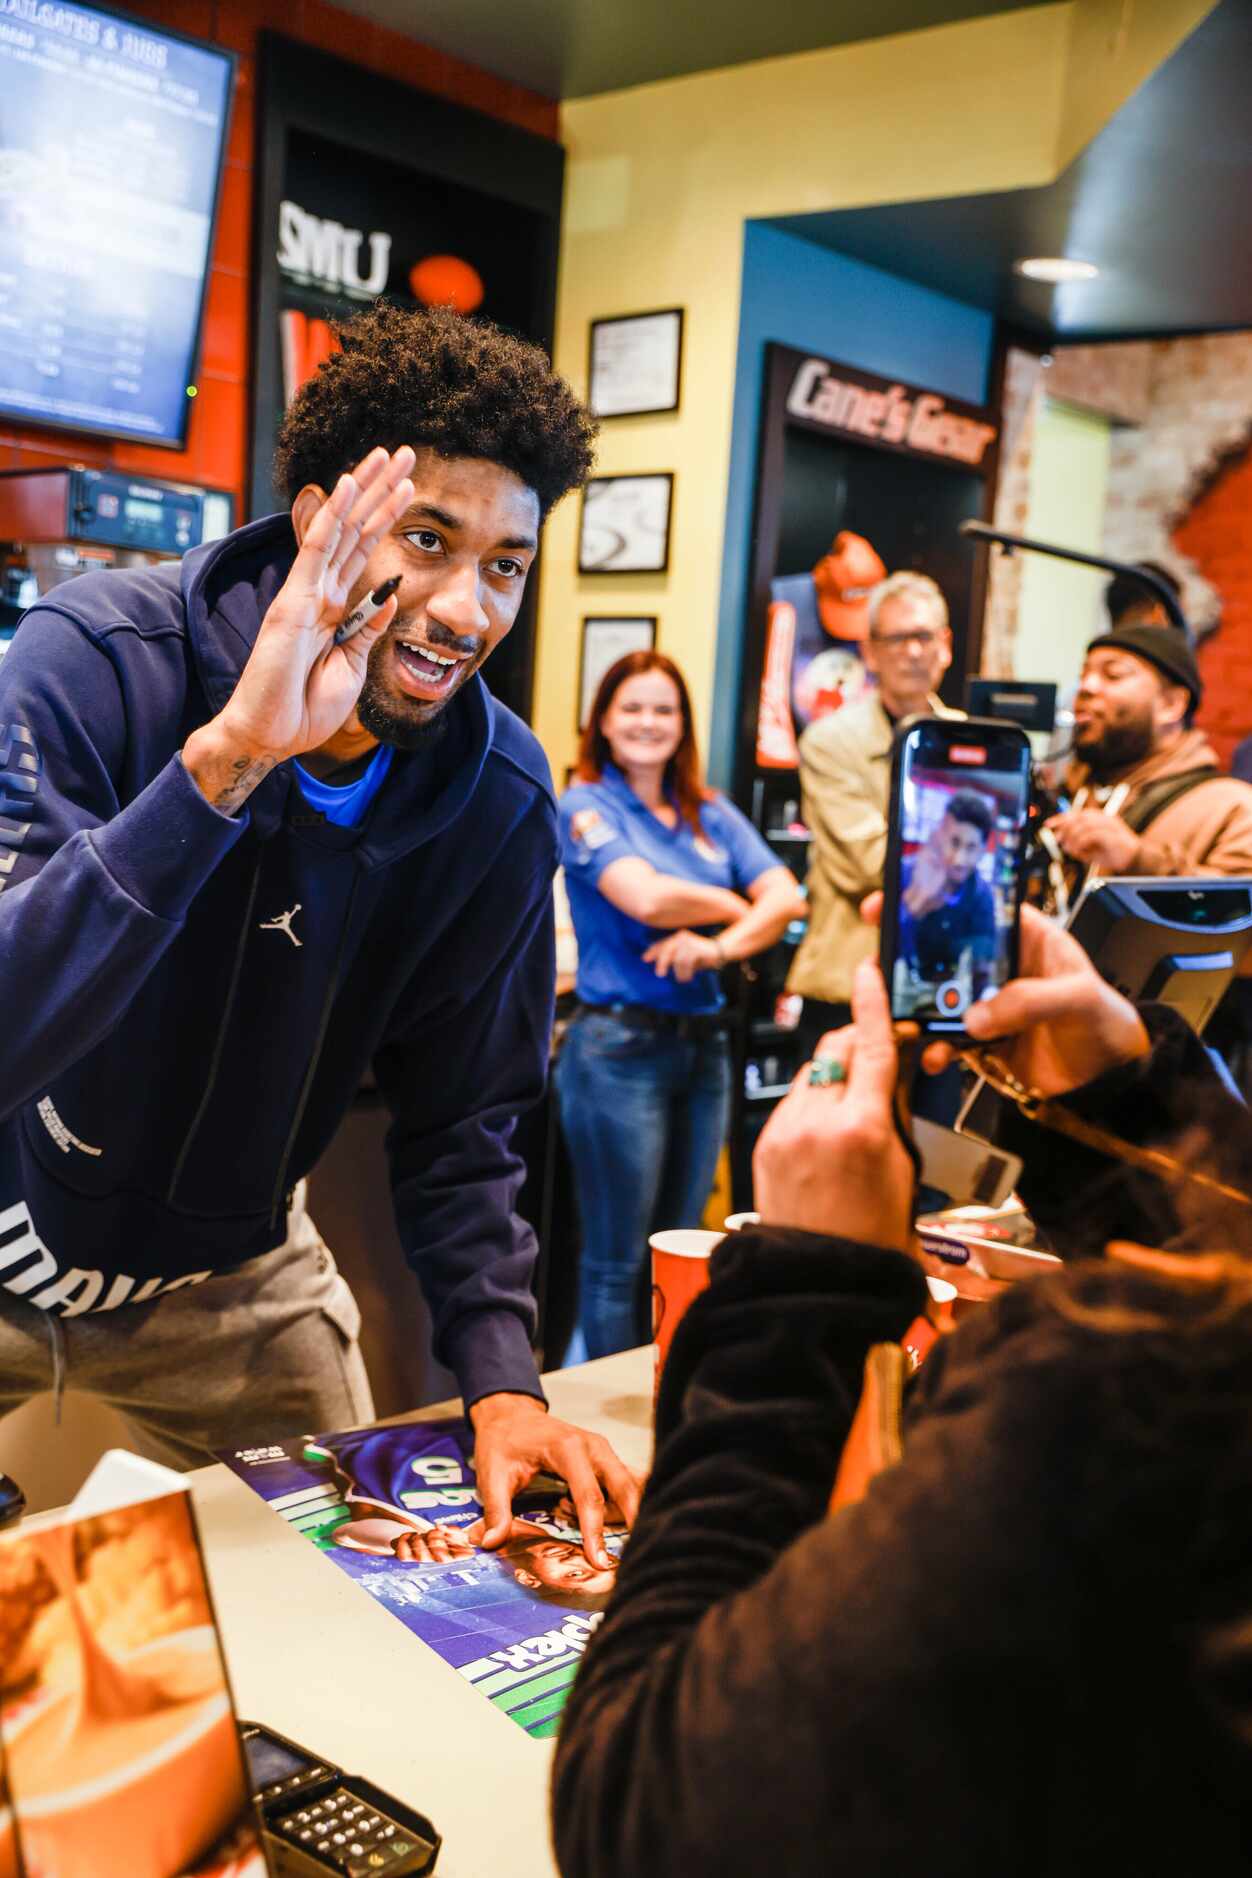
{"type": "Point", "coordinates": [1174, 1098]}
{"type": "Point", "coordinates": [776, 1690]}
{"type": "Point", "coordinates": [1025, 1652]}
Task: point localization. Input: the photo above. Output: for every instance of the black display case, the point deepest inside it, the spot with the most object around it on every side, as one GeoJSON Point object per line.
{"type": "Point", "coordinates": [902, 466]}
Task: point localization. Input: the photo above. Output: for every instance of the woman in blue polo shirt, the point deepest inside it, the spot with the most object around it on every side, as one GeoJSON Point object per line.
{"type": "Point", "coordinates": [667, 883]}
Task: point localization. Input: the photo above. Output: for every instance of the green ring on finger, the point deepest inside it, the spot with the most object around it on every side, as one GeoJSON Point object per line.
{"type": "Point", "coordinates": [826, 1071]}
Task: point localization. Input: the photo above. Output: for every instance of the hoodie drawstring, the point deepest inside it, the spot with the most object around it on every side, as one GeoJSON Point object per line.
{"type": "Point", "coordinates": [223, 1027]}
{"type": "Point", "coordinates": [56, 1337]}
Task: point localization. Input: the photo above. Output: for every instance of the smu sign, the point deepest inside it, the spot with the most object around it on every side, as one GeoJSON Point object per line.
{"type": "Point", "coordinates": [314, 251]}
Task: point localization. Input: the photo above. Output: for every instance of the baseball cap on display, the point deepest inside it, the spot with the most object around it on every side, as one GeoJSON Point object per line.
{"type": "Point", "coordinates": [844, 579]}
{"type": "Point", "coordinates": [1162, 646]}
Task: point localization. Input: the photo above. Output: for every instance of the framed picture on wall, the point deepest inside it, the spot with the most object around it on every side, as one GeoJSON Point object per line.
{"type": "Point", "coordinates": [625, 524]}
{"type": "Point", "coordinates": [635, 363]}
{"type": "Point", "coordinates": [604, 642]}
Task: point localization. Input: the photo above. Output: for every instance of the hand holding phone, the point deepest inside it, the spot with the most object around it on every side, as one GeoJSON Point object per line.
{"type": "Point", "coordinates": [959, 801]}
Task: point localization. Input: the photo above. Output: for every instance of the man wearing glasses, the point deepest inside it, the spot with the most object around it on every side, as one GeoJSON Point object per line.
{"type": "Point", "coordinates": [845, 774]}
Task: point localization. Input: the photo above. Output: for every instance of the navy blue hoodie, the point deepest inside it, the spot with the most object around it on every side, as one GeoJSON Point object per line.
{"type": "Point", "coordinates": [175, 1054]}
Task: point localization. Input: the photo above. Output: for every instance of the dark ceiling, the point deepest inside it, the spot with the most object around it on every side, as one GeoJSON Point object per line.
{"type": "Point", "coordinates": [1159, 200]}
{"type": "Point", "coordinates": [574, 48]}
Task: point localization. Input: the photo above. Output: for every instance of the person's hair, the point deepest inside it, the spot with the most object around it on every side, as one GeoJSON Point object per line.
{"type": "Point", "coordinates": [435, 380]}
{"type": "Point", "coordinates": [1214, 1297]}
{"type": "Point", "coordinates": [968, 806]}
{"type": "Point", "coordinates": [896, 586]}
{"type": "Point", "coordinates": [682, 772]}
{"type": "Point", "coordinates": [1124, 594]}
{"type": "Point", "coordinates": [523, 1554]}
{"type": "Point", "coordinates": [1203, 1292]}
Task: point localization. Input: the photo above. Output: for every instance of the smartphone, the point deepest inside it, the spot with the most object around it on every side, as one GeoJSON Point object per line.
{"type": "Point", "coordinates": [317, 1820]}
{"type": "Point", "coordinates": [952, 886]}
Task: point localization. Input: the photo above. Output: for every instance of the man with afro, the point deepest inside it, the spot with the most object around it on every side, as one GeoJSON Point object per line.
{"type": "Point", "coordinates": [263, 828]}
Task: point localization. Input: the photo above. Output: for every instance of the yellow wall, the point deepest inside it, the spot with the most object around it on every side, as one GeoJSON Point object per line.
{"type": "Point", "coordinates": [1114, 45]}
{"type": "Point", "coordinates": [661, 179]}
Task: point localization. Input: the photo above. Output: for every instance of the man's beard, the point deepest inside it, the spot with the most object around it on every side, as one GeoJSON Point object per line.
{"type": "Point", "coordinates": [1118, 747]}
{"type": "Point", "coordinates": [389, 721]}
{"type": "Point", "coordinates": [380, 718]}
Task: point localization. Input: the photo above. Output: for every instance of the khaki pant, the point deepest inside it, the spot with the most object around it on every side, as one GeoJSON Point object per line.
{"type": "Point", "coordinates": [262, 1352]}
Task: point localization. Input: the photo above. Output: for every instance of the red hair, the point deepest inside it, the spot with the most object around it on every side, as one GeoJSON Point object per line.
{"type": "Point", "coordinates": [682, 772]}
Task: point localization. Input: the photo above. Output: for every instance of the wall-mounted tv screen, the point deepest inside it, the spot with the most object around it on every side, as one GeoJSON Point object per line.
{"type": "Point", "coordinates": [111, 137]}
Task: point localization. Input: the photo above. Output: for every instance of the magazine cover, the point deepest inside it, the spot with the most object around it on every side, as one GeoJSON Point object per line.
{"type": "Point", "coordinates": [396, 1508]}
{"type": "Point", "coordinates": [121, 1751]}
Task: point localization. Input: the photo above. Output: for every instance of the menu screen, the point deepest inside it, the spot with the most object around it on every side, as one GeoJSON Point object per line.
{"type": "Point", "coordinates": [111, 139]}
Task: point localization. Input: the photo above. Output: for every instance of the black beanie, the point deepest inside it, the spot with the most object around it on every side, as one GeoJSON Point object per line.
{"type": "Point", "coordinates": [1162, 646]}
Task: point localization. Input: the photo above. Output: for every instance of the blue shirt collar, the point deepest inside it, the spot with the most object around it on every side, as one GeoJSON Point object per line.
{"type": "Point", "coordinates": [614, 780]}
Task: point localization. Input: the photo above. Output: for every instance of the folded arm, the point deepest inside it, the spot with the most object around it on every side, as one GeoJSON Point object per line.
{"type": "Point", "coordinates": [635, 888]}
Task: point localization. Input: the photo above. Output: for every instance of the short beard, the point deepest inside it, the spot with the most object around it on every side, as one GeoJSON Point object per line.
{"type": "Point", "coordinates": [396, 728]}
{"type": "Point", "coordinates": [1119, 746]}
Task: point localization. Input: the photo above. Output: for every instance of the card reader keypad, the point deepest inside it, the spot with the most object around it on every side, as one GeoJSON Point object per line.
{"type": "Point", "coordinates": [349, 1835]}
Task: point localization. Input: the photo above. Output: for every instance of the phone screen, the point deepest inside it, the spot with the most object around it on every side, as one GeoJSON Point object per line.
{"type": "Point", "coordinates": [271, 1760]}
{"type": "Point", "coordinates": [961, 794]}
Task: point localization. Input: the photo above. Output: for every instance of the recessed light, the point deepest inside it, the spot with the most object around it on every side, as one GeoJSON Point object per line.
{"type": "Point", "coordinates": [1055, 269]}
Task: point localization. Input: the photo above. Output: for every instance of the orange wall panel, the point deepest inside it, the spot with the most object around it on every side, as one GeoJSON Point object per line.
{"type": "Point", "coordinates": [216, 452]}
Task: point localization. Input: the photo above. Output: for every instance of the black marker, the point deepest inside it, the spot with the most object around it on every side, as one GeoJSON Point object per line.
{"type": "Point", "coordinates": [366, 611]}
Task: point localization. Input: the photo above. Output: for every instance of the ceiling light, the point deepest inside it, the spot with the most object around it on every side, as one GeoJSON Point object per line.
{"type": "Point", "coordinates": [1055, 269]}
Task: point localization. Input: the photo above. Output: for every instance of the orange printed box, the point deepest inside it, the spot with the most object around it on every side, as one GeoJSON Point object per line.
{"type": "Point", "coordinates": [120, 1750]}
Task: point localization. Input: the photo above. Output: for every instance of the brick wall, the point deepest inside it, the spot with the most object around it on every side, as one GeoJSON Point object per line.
{"type": "Point", "coordinates": [1216, 534]}
{"type": "Point", "coordinates": [1199, 412]}
{"type": "Point", "coordinates": [217, 448]}
{"type": "Point", "coordinates": [1180, 490]}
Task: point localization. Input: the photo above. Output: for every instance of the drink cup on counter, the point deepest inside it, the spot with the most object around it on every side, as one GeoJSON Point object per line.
{"type": "Point", "coordinates": [680, 1271]}
{"type": "Point", "coordinates": [943, 1296]}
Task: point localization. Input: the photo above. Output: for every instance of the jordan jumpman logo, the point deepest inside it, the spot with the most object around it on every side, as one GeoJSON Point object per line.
{"type": "Point", "coordinates": [283, 924]}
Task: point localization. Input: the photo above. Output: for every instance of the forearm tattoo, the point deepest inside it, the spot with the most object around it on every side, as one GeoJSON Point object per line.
{"type": "Point", "coordinates": [246, 772]}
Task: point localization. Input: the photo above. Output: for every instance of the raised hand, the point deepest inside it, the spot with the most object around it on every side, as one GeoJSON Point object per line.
{"type": "Point", "coordinates": [298, 687]}
{"type": "Point", "coordinates": [928, 884]}
{"type": "Point", "coordinates": [829, 1158]}
{"type": "Point", "coordinates": [1058, 1024]}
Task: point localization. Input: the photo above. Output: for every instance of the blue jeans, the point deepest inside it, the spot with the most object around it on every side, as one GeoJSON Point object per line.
{"type": "Point", "coordinates": [644, 1113]}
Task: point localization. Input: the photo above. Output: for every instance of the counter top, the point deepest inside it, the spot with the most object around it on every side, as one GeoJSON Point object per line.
{"type": "Point", "coordinates": [311, 1655]}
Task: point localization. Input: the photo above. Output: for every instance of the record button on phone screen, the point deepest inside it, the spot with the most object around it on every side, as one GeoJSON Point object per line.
{"type": "Point", "coordinates": [950, 1000]}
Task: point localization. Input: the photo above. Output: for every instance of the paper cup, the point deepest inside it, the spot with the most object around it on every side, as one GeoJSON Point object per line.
{"type": "Point", "coordinates": [680, 1271]}
{"type": "Point", "coordinates": [943, 1296]}
{"type": "Point", "coordinates": [735, 1222]}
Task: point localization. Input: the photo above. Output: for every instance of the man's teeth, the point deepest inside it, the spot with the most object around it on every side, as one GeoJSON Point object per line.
{"type": "Point", "coordinates": [423, 652]}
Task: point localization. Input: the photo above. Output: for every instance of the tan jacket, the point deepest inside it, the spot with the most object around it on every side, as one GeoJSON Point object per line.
{"type": "Point", "coordinates": [1206, 831]}
{"type": "Point", "coordinates": [845, 779]}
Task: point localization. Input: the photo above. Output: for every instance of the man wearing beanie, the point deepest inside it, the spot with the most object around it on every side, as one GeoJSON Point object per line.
{"type": "Point", "coordinates": [1147, 796]}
